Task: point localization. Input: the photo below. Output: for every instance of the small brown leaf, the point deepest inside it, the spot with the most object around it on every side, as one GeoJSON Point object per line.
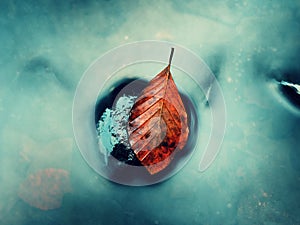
{"type": "Point", "coordinates": [157, 124]}
{"type": "Point", "coordinates": [45, 189]}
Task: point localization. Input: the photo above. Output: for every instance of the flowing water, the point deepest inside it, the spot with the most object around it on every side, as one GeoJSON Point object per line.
{"type": "Point", "coordinates": [253, 49]}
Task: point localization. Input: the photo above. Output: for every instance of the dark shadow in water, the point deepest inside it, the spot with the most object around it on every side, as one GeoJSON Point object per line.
{"type": "Point", "coordinates": [291, 94]}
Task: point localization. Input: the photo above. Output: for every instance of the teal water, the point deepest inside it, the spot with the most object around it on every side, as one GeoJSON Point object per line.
{"type": "Point", "coordinates": [251, 46]}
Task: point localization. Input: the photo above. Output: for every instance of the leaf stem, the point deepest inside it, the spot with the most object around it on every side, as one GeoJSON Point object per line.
{"type": "Point", "coordinates": [171, 56]}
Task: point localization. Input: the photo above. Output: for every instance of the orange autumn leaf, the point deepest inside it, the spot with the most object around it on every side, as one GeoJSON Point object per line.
{"type": "Point", "coordinates": [157, 124]}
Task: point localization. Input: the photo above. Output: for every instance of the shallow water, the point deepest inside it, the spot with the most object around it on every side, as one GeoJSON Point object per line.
{"type": "Point", "coordinates": [250, 46]}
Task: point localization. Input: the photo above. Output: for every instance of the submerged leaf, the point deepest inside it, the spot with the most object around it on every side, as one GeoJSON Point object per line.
{"type": "Point", "coordinates": [157, 123]}
{"type": "Point", "coordinates": [45, 188]}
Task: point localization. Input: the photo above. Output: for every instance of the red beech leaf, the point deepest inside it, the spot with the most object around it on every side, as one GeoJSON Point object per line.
{"type": "Point", "coordinates": [157, 124]}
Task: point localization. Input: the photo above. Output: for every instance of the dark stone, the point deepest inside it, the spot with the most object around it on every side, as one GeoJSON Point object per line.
{"type": "Point", "coordinates": [123, 154]}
